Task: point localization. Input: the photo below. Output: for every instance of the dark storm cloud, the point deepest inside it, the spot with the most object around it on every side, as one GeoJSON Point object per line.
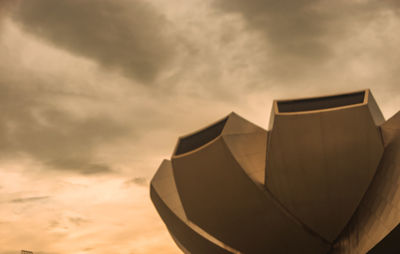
{"type": "Point", "coordinates": [5, 6]}
{"type": "Point", "coordinates": [79, 163]}
{"type": "Point", "coordinates": [291, 27]}
{"type": "Point", "coordinates": [126, 35]}
{"type": "Point", "coordinates": [31, 125]}
{"type": "Point", "coordinates": [29, 199]}
{"type": "Point", "coordinates": [301, 35]}
{"type": "Point", "coordinates": [36, 252]}
{"type": "Point", "coordinates": [77, 221]}
{"type": "Point", "coordinates": [141, 181]}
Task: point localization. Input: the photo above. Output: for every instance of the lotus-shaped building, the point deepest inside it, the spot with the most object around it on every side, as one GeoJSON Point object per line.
{"type": "Point", "coordinates": [324, 178]}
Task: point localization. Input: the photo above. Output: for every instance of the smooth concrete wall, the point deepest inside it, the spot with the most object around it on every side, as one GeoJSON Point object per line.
{"type": "Point", "coordinates": [165, 198]}
{"type": "Point", "coordinates": [379, 211]}
{"type": "Point", "coordinates": [321, 162]}
{"type": "Point", "coordinates": [219, 196]}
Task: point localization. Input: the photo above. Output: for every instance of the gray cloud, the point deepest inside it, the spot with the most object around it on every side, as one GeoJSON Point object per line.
{"type": "Point", "coordinates": [124, 35]}
{"type": "Point", "coordinates": [141, 181]}
{"type": "Point", "coordinates": [291, 27]}
{"type": "Point", "coordinates": [35, 252]}
{"type": "Point", "coordinates": [79, 164]}
{"type": "Point", "coordinates": [5, 6]}
{"type": "Point", "coordinates": [31, 125]}
{"type": "Point", "coordinates": [29, 199]}
{"type": "Point", "coordinates": [13, 252]}
{"type": "Point", "coordinates": [300, 36]}
{"type": "Point", "coordinates": [78, 221]}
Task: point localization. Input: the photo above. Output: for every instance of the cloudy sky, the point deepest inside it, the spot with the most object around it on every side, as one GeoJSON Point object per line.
{"type": "Point", "coordinates": [94, 94]}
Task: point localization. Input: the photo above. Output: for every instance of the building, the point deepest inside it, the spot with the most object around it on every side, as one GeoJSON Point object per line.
{"type": "Point", "coordinates": [324, 178]}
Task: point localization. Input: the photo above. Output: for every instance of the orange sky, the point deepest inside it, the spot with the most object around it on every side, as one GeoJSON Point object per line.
{"type": "Point", "coordinates": [95, 93]}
